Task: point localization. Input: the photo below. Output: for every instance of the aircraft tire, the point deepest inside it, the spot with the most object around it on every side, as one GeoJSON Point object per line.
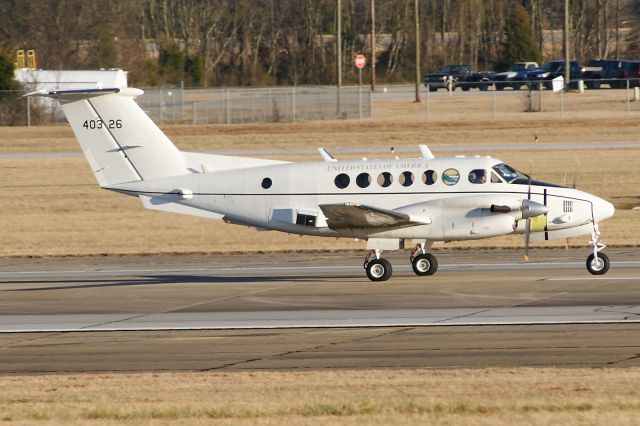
{"type": "Point", "coordinates": [379, 270]}
{"type": "Point", "coordinates": [424, 264]}
{"type": "Point", "coordinates": [599, 268]}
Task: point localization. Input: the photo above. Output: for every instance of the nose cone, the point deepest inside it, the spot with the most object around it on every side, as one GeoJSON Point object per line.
{"type": "Point", "coordinates": [602, 209]}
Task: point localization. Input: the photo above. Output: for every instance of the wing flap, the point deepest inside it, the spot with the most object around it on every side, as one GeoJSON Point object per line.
{"type": "Point", "coordinates": [351, 215]}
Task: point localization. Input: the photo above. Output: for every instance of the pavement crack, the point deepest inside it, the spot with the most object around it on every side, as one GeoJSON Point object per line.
{"type": "Point", "coordinates": [307, 349]}
{"type": "Point", "coordinates": [481, 311]}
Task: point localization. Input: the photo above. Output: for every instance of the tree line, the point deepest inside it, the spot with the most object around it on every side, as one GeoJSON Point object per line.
{"type": "Point", "coordinates": [283, 42]}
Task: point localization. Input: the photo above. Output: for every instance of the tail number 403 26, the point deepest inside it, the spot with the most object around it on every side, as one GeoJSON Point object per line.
{"type": "Point", "coordinates": [99, 124]}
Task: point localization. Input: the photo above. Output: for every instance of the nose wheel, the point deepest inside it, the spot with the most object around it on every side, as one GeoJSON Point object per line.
{"type": "Point", "coordinates": [597, 263]}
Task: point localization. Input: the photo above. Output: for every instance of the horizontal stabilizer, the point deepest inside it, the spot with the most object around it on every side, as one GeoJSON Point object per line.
{"type": "Point", "coordinates": [165, 205]}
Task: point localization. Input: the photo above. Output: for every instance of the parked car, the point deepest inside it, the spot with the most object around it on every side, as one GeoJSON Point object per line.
{"type": "Point", "coordinates": [630, 72]}
{"type": "Point", "coordinates": [515, 76]}
{"type": "Point", "coordinates": [552, 69]}
{"type": "Point", "coordinates": [603, 71]}
{"type": "Point", "coordinates": [459, 75]}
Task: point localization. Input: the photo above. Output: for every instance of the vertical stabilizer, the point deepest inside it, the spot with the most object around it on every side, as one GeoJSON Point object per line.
{"type": "Point", "coordinates": [121, 143]}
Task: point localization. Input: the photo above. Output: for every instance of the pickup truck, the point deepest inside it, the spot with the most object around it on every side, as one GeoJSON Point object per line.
{"type": "Point", "coordinates": [613, 72]}
{"type": "Point", "coordinates": [460, 75]}
{"type": "Point", "coordinates": [515, 76]}
{"type": "Point", "coordinates": [542, 76]}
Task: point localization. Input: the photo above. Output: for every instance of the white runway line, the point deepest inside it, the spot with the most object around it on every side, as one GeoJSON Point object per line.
{"type": "Point", "coordinates": [330, 318]}
{"type": "Point", "coordinates": [284, 269]}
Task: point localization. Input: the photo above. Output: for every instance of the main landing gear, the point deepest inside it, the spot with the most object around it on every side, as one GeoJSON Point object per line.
{"type": "Point", "coordinates": [597, 263]}
{"type": "Point", "coordinates": [380, 269]}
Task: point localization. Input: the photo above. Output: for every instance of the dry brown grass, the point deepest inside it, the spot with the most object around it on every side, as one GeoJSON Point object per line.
{"type": "Point", "coordinates": [420, 396]}
{"type": "Point", "coordinates": [52, 206]}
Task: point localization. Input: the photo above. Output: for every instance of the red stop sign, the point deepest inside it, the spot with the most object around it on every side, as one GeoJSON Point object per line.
{"type": "Point", "coordinates": [360, 61]}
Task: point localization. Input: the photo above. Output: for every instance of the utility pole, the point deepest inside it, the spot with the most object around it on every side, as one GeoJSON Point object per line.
{"type": "Point", "coordinates": [416, 12]}
{"type": "Point", "coordinates": [373, 45]}
{"type": "Point", "coordinates": [338, 51]}
{"type": "Point", "coordinates": [567, 68]}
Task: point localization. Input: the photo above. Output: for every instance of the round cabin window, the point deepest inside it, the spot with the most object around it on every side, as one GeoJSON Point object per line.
{"type": "Point", "coordinates": [385, 179]}
{"type": "Point", "coordinates": [450, 176]}
{"type": "Point", "coordinates": [406, 178]}
{"type": "Point", "coordinates": [363, 180]}
{"type": "Point", "coordinates": [429, 177]}
{"type": "Point", "coordinates": [342, 180]}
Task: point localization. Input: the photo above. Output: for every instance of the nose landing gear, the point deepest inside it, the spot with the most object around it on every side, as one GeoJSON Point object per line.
{"type": "Point", "coordinates": [597, 263]}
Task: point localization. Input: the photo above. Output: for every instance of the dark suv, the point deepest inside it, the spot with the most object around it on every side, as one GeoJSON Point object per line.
{"type": "Point", "coordinates": [631, 72]}
{"type": "Point", "coordinates": [603, 71]}
{"type": "Point", "coordinates": [551, 70]}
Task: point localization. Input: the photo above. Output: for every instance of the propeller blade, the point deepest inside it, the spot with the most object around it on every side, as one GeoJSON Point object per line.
{"type": "Point", "coordinates": [527, 234]}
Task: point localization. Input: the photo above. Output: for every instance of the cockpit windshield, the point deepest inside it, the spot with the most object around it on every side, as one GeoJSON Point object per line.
{"type": "Point", "coordinates": [507, 172]}
{"type": "Point", "coordinates": [514, 177]}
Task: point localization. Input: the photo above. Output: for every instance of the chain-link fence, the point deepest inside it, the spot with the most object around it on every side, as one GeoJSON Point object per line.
{"type": "Point", "coordinates": [255, 105]}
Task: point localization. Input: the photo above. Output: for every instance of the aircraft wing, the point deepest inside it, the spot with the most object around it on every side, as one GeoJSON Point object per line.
{"type": "Point", "coordinates": [351, 215]}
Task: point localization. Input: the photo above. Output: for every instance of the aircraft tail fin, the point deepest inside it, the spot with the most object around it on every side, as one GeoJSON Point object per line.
{"type": "Point", "coordinates": [120, 141]}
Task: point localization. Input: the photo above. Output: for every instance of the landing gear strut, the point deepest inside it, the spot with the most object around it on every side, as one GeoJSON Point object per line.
{"type": "Point", "coordinates": [378, 269]}
{"type": "Point", "coordinates": [597, 263]}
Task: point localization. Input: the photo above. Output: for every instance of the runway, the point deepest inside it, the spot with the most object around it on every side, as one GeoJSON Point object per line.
{"type": "Point", "coordinates": [316, 310]}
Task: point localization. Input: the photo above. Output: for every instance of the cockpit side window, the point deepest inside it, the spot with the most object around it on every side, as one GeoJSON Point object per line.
{"type": "Point", "coordinates": [495, 178]}
{"type": "Point", "coordinates": [507, 172]}
{"type": "Point", "coordinates": [478, 176]}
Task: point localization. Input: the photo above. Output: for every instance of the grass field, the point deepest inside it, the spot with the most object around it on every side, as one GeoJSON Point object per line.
{"type": "Point", "coordinates": [53, 207]}
{"type": "Point", "coordinates": [522, 396]}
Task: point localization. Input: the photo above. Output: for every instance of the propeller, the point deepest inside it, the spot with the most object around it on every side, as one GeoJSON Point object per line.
{"type": "Point", "coordinates": [527, 228]}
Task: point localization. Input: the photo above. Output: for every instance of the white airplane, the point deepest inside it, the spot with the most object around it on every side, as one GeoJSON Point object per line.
{"type": "Point", "coordinates": [384, 202]}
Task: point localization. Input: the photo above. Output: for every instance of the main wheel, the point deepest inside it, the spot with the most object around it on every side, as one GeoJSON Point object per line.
{"type": "Point", "coordinates": [424, 264]}
{"type": "Point", "coordinates": [379, 270]}
{"type": "Point", "coordinates": [598, 266]}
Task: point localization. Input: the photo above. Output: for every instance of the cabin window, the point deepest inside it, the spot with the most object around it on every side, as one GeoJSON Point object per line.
{"type": "Point", "coordinates": [363, 180]}
{"type": "Point", "coordinates": [342, 180]}
{"type": "Point", "coordinates": [429, 177]}
{"type": "Point", "coordinates": [266, 183]}
{"type": "Point", "coordinates": [478, 176]}
{"type": "Point", "coordinates": [406, 178]}
{"type": "Point", "coordinates": [450, 176]}
{"type": "Point", "coordinates": [385, 179]}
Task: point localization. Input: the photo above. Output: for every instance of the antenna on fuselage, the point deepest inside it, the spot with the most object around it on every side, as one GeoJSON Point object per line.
{"type": "Point", "coordinates": [325, 155]}
{"type": "Point", "coordinates": [393, 151]}
{"type": "Point", "coordinates": [426, 152]}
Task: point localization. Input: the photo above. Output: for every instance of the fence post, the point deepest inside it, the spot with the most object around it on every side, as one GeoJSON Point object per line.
{"type": "Point", "coordinates": [628, 99]}
{"type": "Point", "coordinates": [28, 111]}
{"type": "Point", "coordinates": [493, 106]}
{"type": "Point", "coordinates": [293, 103]}
{"type": "Point", "coordinates": [228, 104]}
{"type": "Point", "coordinates": [194, 113]}
{"type": "Point", "coordinates": [428, 104]}
{"type": "Point", "coordinates": [161, 108]}
{"type": "Point", "coordinates": [541, 104]}
{"type": "Point", "coordinates": [561, 103]}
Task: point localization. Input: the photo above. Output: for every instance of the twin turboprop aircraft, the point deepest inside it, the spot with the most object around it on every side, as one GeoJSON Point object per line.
{"type": "Point", "coordinates": [384, 202]}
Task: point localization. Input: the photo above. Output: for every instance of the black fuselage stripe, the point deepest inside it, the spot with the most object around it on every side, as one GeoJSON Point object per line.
{"type": "Point", "coordinates": [221, 194]}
